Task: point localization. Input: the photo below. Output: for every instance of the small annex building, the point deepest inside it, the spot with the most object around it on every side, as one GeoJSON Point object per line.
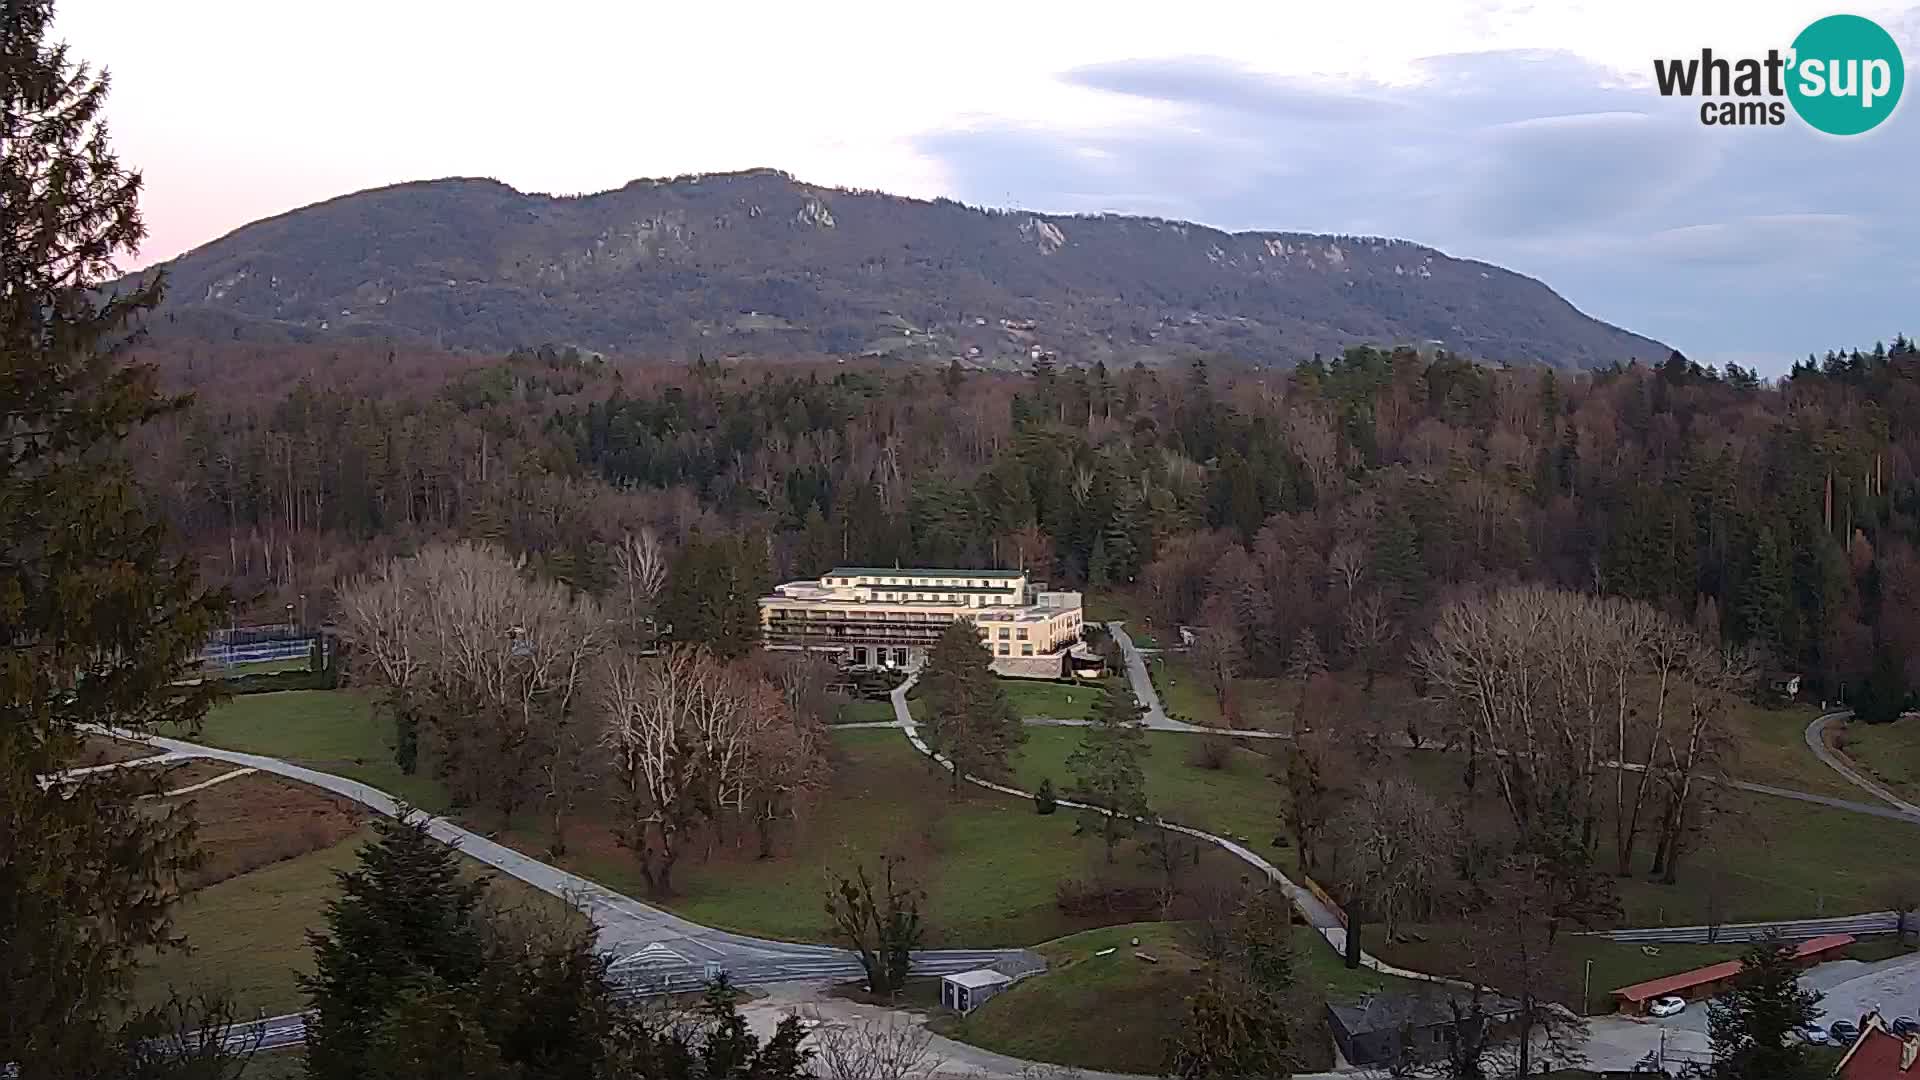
{"type": "Point", "coordinates": [968, 990]}
{"type": "Point", "coordinates": [1401, 1029]}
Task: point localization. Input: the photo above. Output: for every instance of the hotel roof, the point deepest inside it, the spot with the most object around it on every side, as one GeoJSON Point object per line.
{"type": "Point", "coordinates": [896, 571]}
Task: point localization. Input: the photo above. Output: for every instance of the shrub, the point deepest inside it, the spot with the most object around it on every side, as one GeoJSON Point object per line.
{"type": "Point", "coordinates": [1210, 752]}
{"type": "Point", "coordinates": [1043, 799]}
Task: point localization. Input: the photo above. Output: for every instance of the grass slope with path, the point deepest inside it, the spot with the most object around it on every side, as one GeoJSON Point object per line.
{"type": "Point", "coordinates": [1117, 1013]}
{"type": "Point", "coordinates": [989, 864]}
{"type": "Point", "coordinates": [1239, 799]}
{"type": "Point", "coordinates": [246, 935]}
{"type": "Point", "coordinates": [336, 731]}
{"type": "Point", "coordinates": [1890, 753]}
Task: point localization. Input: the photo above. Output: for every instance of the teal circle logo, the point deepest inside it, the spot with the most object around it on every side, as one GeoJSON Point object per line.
{"type": "Point", "coordinates": [1846, 76]}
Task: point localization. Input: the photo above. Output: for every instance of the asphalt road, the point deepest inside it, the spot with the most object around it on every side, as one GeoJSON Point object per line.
{"type": "Point", "coordinates": [1817, 742]}
{"type": "Point", "coordinates": [652, 950]}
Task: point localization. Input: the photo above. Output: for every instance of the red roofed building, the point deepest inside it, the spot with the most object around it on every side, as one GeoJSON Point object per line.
{"type": "Point", "coordinates": [1879, 1054]}
{"type": "Point", "coordinates": [1707, 981]}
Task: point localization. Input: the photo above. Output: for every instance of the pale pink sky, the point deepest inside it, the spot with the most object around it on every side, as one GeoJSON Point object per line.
{"type": "Point", "coordinates": [1522, 133]}
{"type": "Point", "coordinates": [239, 109]}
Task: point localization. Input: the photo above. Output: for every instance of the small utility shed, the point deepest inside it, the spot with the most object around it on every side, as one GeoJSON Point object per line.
{"type": "Point", "coordinates": [965, 992]}
{"type": "Point", "coordinates": [1408, 1028]}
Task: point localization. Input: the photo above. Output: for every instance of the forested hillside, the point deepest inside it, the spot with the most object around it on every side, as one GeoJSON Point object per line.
{"type": "Point", "coordinates": [1271, 504]}
{"type": "Point", "coordinates": [758, 264]}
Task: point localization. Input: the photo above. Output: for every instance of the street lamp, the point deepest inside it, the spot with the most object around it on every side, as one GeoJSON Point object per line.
{"type": "Point", "coordinates": [1586, 990]}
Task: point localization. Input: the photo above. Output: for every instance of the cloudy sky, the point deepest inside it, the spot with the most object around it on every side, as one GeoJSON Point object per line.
{"type": "Point", "coordinates": [1523, 134]}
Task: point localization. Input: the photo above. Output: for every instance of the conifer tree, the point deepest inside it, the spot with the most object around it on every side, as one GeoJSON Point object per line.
{"type": "Point", "coordinates": [98, 619]}
{"type": "Point", "coordinates": [1752, 1026]}
{"type": "Point", "coordinates": [1106, 765]}
{"type": "Point", "coordinates": [404, 920]}
{"type": "Point", "coordinates": [969, 720]}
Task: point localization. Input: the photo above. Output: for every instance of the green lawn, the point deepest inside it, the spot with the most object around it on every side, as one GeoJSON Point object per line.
{"type": "Point", "coordinates": [1117, 1012]}
{"type": "Point", "coordinates": [262, 667]}
{"type": "Point", "coordinates": [247, 935]}
{"type": "Point", "coordinates": [865, 711]}
{"type": "Point", "coordinates": [1240, 799]}
{"type": "Point", "coordinates": [1264, 703]}
{"type": "Point", "coordinates": [1774, 858]}
{"type": "Point", "coordinates": [1055, 701]}
{"type": "Point", "coordinates": [1890, 752]}
{"type": "Point", "coordinates": [1615, 964]}
{"type": "Point", "coordinates": [988, 863]}
{"type": "Point", "coordinates": [1106, 607]}
{"type": "Point", "coordinates": [335, 731]}
{"type": "Point", "coordinates": [1771, 748]}
{"type": "Point", "coordinates": [287, 1064]}
{"type": "Point", "coordinates": [1765, 857]}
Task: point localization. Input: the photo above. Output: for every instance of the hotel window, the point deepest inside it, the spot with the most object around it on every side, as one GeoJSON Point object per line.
{"type": "Point", "coordinates": [1003, 633]}
{"type": "Point", "coordinates": [1026, 650]}
{"type": "Point", "coordinates": [1023, 633]}
{"type": "Point", "coordinates": [1003, 648]}
{"type": "Point", "coordinates": [900, 657]}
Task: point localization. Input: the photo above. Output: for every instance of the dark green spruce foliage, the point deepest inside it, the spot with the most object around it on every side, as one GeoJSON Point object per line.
{"type": "Point", "coordinates": [1752, 1026]}
{"type": "Point", "coordinates": [1238, 1023]}
{"type": "Point", "coordinates": [98, 619]}
{"type": "Point", "coordinates": [713, 592]}
{"type": "Point", "coordinates": [969, 719]}
{"type": "Point", "coordinates": [1044, 800]}
{"type": "Point", "coordinates": [404, 925]}
{"type": "Point", "coordinates": [1106, 766]}
{"type": "Point", "coordinates": [419, 977]}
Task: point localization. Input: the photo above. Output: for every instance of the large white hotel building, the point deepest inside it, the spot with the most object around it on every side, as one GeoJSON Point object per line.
{"type": "Point", "coordinates": [872, 617]}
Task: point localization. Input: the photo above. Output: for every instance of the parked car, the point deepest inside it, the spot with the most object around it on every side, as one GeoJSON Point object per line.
{"type": "Point", "coordinates": [1905, 1026]}
{"type": "Point", "coordinates": [1813, 1036]}
{"type": "Point", "coordinates": [1667, 1006]}
{"type": "Point", "coordinates": [1844, 1032]}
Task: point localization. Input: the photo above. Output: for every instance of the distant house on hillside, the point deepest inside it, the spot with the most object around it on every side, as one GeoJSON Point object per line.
{"type": "Point", "coordinates": [1784, 684]}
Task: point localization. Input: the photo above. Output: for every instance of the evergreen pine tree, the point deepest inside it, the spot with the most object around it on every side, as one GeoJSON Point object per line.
{"type": "Point", "coordinates": [969, 719]}
{"type": "Point", "coordinates": [1752, 1026]}
{"type": "Point", "coordinates": [98, 619]}
{"type": "Point", "coordinates": [405, 921]}
{"type": "Point", "coordinates": [1106, 765]}
{"type": "Point", "coordinates": [1763, 605]}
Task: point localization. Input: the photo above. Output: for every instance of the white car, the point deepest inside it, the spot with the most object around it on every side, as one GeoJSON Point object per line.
{"type": "Point", "coordinates": [1666, 1006]}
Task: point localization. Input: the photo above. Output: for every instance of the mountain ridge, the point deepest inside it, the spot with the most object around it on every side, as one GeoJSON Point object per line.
{"type": "Point", "coordinates": [757, 263]}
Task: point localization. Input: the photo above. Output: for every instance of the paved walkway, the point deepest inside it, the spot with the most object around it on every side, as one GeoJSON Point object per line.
{"type": "Point", "coordinates": [1158, 720]}
{"type": "Point", "coordinates": [1817, 742]}
{"type": "Point", "coordinates": [1321, 917]}
{"type": "Point", "coordinates": [1156, 716]}
{"type": "Point", "coordinates": [652, 948]}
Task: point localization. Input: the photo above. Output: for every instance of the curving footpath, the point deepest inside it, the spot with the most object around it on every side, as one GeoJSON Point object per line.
{"type": "Point", "coordinates": [653, 950]}
{"type": "Point", "coordinates": [1320, 916]}
{"type": "Point", "coordinates": [1817, 742]}
{"type": "Point", "coordinates": [1157, 719]}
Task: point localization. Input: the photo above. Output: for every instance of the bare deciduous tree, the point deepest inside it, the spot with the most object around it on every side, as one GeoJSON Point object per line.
{"type": "Point", "coordinates": [1346, 563]}
{"type": "Point", "coordinates": [1397, 845]}
{"type": "Point", "coordinates": [640, 573]}
{"type": "Point", "coordinates": [1557, 688]}
{"type": "Point", "coordinates": [1216, 651]}
{"type": "Point", "coordinates": [889, 1048]}
{"type": "Point", "coordinates": [1369, 628]}
{"type": "Point", "coordinates": [655, 764]}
